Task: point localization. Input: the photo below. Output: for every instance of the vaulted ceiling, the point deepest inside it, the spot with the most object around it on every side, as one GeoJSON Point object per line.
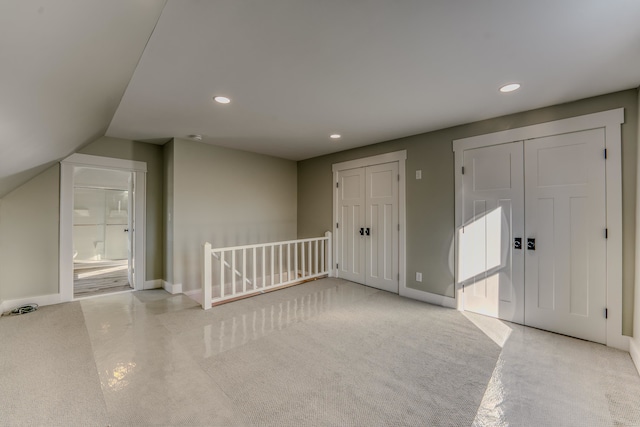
{"type": "Point", "coordinates": [296, 70]}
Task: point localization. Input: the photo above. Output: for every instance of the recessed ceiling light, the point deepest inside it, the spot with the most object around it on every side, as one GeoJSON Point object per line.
{"type": "Point", "coordinates": [510, 87]}
{"type": "Point", "coordinates": [222, 99]}
{"type": "Point", "coordinates": [335, 136]}
{"type": "Point", "coordinates": [196, 137]}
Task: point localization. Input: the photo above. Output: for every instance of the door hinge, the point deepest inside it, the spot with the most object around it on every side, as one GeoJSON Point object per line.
{"type": "Point", "coordinates": [337, 225]}
{"type": "Point", "coordinates": [606, 313]}
{"type": "Point", "coordinates": [605, 153]}
{"type": "Point", "coordinates": [463, 170]}
{"type": "Point", "coordinates": [606, 233]}
{"type": "Point", "coordinates": [336, 266]}
{"type": "Point", "coordinates": [337, 184]}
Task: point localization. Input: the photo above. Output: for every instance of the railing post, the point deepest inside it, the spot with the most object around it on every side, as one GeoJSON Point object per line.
{"type": "Point", "coordinates": [244, 270]}
{"type": "Point", "coordinates": [302, 258]}
{"type": "Point", "coordinates": [295, 261]}
{"type": "Point", "coordinates": [254, 277]}
{"type": "Point", "coordinates": [329, 254]}
{"type": "Point", "coordinates": [309, 255]}
{"type": "Point", "coordinates": [273, 273]}
{"type": "Point", "coordinates": [206, 280]}
{"type": "Point", "coordinates": [316, 255]}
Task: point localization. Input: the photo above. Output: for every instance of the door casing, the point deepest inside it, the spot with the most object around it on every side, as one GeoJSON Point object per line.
{"type": "Point", "coordinates": [610, 121]}
{"type": "Point", "coordinates": [67, 167]}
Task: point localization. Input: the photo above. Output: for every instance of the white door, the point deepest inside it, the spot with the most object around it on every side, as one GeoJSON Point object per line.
{"type": "Point", "coordinates": [490, 269]}
{"type": "Point", "coordinates": [351, 224]}
{"type": "Point", "coordinates": [557, 281]}
{"type": "Point", "coordinates": [566, 215]}
{"type": "Point", "coordinates": [129, 231]}
{"type": "Point", "coordinates": [368, 218]}
{"type": "Point", "coordinates": [381, 226]}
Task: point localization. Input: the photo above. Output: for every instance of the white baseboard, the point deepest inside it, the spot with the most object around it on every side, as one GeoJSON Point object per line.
{"type": "Point", "coordinates": [153, 284]}
{"type": "Point", "coordinates": [435, 299]}
{"type": "Point", "coordinates": [634, 351]}
{"type": "Point", "coordinates": [40, 300]}
{"type": "Point", "coordinates": [172, 288]}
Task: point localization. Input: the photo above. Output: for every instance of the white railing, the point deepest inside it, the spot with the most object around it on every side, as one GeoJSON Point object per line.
{"type": "Point", "coordinates": [253, 269]}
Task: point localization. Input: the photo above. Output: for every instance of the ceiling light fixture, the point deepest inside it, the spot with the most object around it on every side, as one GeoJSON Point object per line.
{"type": "Point", "coordinates": [196, 137]}
{"type": "Point", "coordinates": [335, 136]}
{"type": "Point", "coordinates": [510, 87]}
{"type": "Point", "coordinates": [221, 99]}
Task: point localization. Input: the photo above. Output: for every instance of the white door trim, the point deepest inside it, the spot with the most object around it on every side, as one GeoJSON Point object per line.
{"type": "Point", "coordinates": [610, 121]}
{"type": "Point", "coordinates": [396, 156]}
{"type": "Point", "coordinates": [67, 167]}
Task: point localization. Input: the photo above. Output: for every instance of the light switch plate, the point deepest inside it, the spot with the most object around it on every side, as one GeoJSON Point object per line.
{"type": "Point", "coordinates": [418, 174]}
{"type": "Point", "coordinates": [418, 277]}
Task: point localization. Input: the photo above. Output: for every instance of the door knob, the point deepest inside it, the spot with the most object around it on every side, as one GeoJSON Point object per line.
{"type": "Point", "coordinates": [126, 230]}
{"type": "Point", "coordinates": [531, 244]}
{"type": "Point", "coordinates": [368, 232]}
{"type": "Point", "coordinates": [517, 243]}
{"type": "Point", "coordinates": [362, 231]}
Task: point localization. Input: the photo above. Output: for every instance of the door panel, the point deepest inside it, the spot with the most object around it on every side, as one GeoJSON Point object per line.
{"type": "Point", "coordinates": [490, 270]}
{"type": "Point", "coordinates": [382, 221]}
{"type": "Point", "coordinates": [566, 214]}
{"type": "Point", "coordinates": [351, 211]}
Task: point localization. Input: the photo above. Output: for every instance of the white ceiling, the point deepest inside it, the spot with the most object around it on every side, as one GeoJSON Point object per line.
{"type": "Point", "coordinates": [296, 70]}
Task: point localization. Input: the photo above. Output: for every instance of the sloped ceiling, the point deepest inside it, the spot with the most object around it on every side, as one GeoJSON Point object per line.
{"type": "Point", "coordinates": [296, 70]}
{"type": "Point", "coordinates": [64, 66]}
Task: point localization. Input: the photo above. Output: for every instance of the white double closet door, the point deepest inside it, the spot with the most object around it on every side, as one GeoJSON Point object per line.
{"type": "Point", "coordinates": [368, 223]}
{"type": "Point", "coordinates": [532, 248]}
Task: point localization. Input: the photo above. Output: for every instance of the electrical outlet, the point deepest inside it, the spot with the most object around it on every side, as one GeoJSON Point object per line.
{"type": "Point", "coordinates": [418, 174]}
{"type": "Point", "coordinates": [418, 277]}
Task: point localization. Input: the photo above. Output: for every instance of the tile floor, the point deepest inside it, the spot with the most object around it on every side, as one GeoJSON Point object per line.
{"type": "Point", "coordinates": [328, 352]}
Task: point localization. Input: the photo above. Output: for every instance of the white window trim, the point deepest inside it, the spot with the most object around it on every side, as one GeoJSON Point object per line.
{"type": "Point", "coordinates": [67, 167]}
{"type": "Point", "coordinates": [610, 121]}
{"type": "Point", "coordinates": [396, 156]}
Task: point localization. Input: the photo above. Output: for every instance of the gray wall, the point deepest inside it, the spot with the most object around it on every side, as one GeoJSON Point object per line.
{"type": "Point", "coordinates": [29, 217]}
{"type": "Point", "coordinates": [226, 197]}
{"type": "Point", "coordinates": [167, 205]}
{"type": "Point", "coordinates": [430, 201]}
{"type": "Point", "coordinates": [636, 324]}
{"type": "Point", "coordinates": [152, 155]}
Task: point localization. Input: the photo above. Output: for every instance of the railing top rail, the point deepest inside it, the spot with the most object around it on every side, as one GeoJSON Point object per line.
{"type": "Point", "coordinates": [262, 245]}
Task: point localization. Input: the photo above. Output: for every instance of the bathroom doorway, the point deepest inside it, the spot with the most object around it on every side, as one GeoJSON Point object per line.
{"type": "Point", "coordinates": [102, 205]}
{"type": "Point", "coordinates": [102, 244]}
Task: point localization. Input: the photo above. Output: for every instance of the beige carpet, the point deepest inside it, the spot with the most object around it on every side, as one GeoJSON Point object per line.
{"type": "Point", "coordinates": [47, 373]}
{"type": "Point", "coordinates": [383, 360]}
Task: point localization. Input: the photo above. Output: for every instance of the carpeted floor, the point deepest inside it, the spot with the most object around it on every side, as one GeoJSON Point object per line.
{"type": "Point", "coordinates": [325, 353]}
{"type": "Point", "coordinates": [48, 374]}
{"type": "Point", "coordinates": [382, 360]}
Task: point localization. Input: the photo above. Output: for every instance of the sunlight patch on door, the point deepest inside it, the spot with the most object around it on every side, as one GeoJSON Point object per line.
{"type": "Point", "coordinates": [480, 245]}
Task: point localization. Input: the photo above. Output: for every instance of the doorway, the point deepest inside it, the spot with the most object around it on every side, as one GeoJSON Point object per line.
{"type": "Point", "coordinates": [102, 231]}
{"type": "Point", "coordinates": [102, 205]}
{"type": "Point", "coordinates": [369, 221]}
{"type": "Point", "coordinates": [537, 209]}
